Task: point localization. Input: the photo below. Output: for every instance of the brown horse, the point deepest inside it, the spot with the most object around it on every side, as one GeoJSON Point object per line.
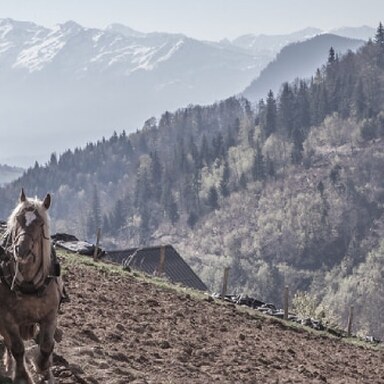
{"type": "Point", "coordinates": [30, 290]}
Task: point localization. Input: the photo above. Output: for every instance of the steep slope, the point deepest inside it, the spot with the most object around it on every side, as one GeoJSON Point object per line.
{"type": "Point", "coordinates": [297, 60]}
{"type": "Point", "coordinates": [121, 329]}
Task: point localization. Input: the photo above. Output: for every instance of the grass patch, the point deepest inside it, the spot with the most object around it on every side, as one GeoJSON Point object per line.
{"type": "Point", "coordinates": [114, 269]}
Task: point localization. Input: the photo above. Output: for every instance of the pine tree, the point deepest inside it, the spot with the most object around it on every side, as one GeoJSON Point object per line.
{"type": "Point", "coordinates": [270, 115]}
{"type": "Point", "coordinates": [360, 100]}
{"type": "Point", "coordinates": [169, 204]}
{"type": "Point", "coordinates": [286, 110]}
{"type": "Point", "coordinates": [331, 57]}
{"type": "Point", "coordinates": [119, 215]}
{"type": "Point", "coordinates": [205, 155]}
{"type": "Point", "coordinates": [156, 175]}
{"type": "Point", "coordinates": [94, 214]}
{"type": "Point", "coordinates": [379, 41]}
{"type": "Point", "coordinates": [379, 36]}
{"type": "Point", "coordinates": [258, 168]}
{"type": "Point", "coordinates": [224, 182]}
{"type": "Point", "coordinates": [213, 198]}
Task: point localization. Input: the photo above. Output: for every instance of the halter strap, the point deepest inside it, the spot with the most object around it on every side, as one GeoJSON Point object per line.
{"type": "Point", "coordinates": [9, 267]}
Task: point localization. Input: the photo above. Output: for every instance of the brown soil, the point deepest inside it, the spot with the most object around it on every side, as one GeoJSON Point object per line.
{"type": "Point", "coordinates": [120, 329]}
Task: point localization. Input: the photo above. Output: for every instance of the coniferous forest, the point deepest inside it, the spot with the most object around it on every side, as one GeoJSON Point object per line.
{"type": "Point", "coordinates": [287, 191]}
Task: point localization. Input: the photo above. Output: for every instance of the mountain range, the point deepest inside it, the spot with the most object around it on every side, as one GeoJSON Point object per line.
{"type": "Point", "coordinates": [65, 86]}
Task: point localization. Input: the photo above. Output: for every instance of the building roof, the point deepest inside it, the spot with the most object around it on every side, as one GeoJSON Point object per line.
{"type": "Point", "coordinates": [148, 260]}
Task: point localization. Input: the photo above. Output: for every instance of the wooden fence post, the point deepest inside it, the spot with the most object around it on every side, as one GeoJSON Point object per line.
{"type": "Point", "coordinates": [98, 233]}
{"type": "Point", "coordinates": [350, 321]}
{"type": "Point", "coordinates": [162, 261]}
{"type": "Point", "coordinates": [225, 282]}
{"type": "Point", "coordinates": [286, 300]}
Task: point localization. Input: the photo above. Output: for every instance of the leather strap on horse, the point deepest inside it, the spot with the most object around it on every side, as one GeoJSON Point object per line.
{"type": "Point", "coordinates": [26, 288]}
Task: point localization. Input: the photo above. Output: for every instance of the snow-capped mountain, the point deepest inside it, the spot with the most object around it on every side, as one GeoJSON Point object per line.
{"type": "Point", "coordinates": [117, 50]}
{"type": "Point", "coordinates": [65, 86]}
{"type": "Point", "coordinates": [72, 85]}
{"type": "Point", "coordinates": [272, 44]}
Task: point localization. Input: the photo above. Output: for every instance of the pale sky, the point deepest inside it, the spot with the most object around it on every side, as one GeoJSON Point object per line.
{"type": "Point", "coordinates": [201, 19]}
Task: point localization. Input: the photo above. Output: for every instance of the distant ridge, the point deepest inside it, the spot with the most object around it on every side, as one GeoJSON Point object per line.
{"type": "Point", "coordinates": [9, 174]}
{"type": "Point", "coordinates": [73, 85]}
{"type": "Point", "coordinates": [298, 60]}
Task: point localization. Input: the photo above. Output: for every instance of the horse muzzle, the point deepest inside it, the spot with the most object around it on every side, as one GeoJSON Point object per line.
{"type": "Point", "coordinates": [22, 254]}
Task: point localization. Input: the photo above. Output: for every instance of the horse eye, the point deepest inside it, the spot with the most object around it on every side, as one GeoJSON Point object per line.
{"type": "Point", "coordinates": [21, 220]}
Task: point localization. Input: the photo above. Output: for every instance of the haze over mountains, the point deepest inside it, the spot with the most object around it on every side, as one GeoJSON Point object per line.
{"type": "Point", "coordinates": [298, 60]}
{"type": "Point", "coordinates": [66, 86]}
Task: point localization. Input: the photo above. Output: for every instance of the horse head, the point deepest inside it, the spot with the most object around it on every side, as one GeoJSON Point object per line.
{"type": "Point", "coordinates": [29, 235]}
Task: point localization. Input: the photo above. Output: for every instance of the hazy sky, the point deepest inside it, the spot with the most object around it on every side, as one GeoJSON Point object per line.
{"type": "Point", "coordinates": [202, 19]}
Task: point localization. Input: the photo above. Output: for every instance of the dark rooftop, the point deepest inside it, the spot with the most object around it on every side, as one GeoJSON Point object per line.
{"type": "Point", "coordinates": [148, 260]}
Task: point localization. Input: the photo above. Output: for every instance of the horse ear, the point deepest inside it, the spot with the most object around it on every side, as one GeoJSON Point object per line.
{"type": "Point", "coordinates": [47, 201]}
{"type": "Point", "coordinates": [22, 196]}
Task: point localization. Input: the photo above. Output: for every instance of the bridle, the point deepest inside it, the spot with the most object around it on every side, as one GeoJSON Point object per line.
{"type": "Point", "coordinates": [15, 237]}
{"type": "Point", "coordinates": [13, 260]}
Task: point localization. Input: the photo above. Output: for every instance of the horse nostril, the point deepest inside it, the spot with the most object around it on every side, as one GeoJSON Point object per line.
{"type": "Point", "coordinates": [22, 250]}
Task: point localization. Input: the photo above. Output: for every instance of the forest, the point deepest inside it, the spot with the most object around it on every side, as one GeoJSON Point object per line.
{"type": "Point", "coordinates": [285, 192]}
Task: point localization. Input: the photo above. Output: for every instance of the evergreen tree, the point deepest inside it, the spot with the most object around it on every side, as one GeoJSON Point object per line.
{"type": "Point", "coordinates": [94, 214]}
{"type": "Point", "coordinates": [224, 182]}
{"type": "Point", "coordinates": [258, 168]}
{"type": "Point", "coordinates": [270, 123]}
{"type": "Point", "coordinates": [213, 198]}
{"type": "Point", "coordinates": [169, 204]}
{"type": "Point", "coordinates": [118, 218]}
{"type": "Point", "coordinates": [286, 110]}
{"type": "Point", "coordinates": [172, 209]}
{"type": "Point", "coordinates": [360, 100]}
{"type": "Point", "coordinates": [142, 191]}
{"type": "Point", "coordinates": [205, 155]}
{"type": "Point", "coordinates": [156, 175]}
{"type": "Point", "coordinates": [379, 36]}
{"type": "Point", "coordinates": [243, 181]}
{"type": "Point", "coordinates": [218, 146]}
{"type": "Point", "coordinates": [144, 229]}
{"type": "Point", "coordinates": [192, 219]}
{"type": "Point", "coordinates": [303, 106]}
{"type": "Point", "coordinates": [379, 41]}
{"type": "Point", "coordinates": [331, 57]}
{"type": "Point", "coordinates": [270, 167]}
{"type": "Point", "coordinates": [53, 160]}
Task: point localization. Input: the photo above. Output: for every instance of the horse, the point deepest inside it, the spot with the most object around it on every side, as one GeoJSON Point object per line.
{"type": "Point", "coordinates": [30, 290]}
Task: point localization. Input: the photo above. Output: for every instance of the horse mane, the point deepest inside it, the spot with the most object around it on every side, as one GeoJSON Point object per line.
{"type": "Point", "coordinates": [37, 205]}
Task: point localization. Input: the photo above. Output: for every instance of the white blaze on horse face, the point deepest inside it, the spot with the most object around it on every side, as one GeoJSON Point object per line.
{"type": "Point", "coordinates": [29, 218]}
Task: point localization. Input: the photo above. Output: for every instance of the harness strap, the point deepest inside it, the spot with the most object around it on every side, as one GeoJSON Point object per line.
{"type": "Point", "coordinates": [8, 277]}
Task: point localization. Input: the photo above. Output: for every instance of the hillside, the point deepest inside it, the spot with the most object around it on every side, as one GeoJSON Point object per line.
{"type": "Point", "coordinates": [288, 192]}
{"type": "Point", "coordinates": [297, 60]}
{"type": "Point", "coordinates": [122, 329]}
